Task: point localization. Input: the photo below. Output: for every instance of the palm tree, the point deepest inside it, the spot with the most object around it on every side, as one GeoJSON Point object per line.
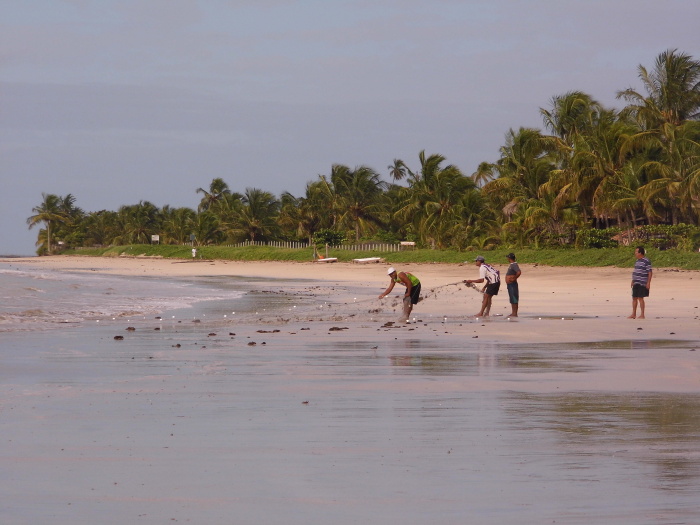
{"type": "Point", "coordinates": [360, 191]}
{"type": "Point", "coordinates": [177, 224]}
{"type": "Point", "coordinates": [301, 215]}
{"type": "Point", "coordinates": [673, 91]}
{"type": "Point", "coordinates": [545, 220]}
{"type": "Point", "coordinates": [668, 136]}
{"type": "Point", "coordinates": [395, 227]}
{"type": "Point", "coordinates": [434, 203]}
{"type": "Point", "coordinates": [70, 230]}
{"type": "Point", "coordinates": [672, 171]}
{"type": "Point", "coordinates": [526, 164]}
{"type": "Point", "coordinates": [101, 228]}
{"type": "Point", "coordinates": [50, 213]}
{"type": "Point", "coordinates": [226, 208]}
{"type": "Point", "coordinates": [604, 161]}
{"type": "Point", "coordinates": [138, 222]}
{"type": "Point", "coordinates": [572, 115]}
{"type": "Point", "coordinates": [217, 190]}
{"type": "Point", "coordinates": [326, 195]}
{"type": "Point", "coordinates": [618, 195]}
{"type": "Point", "coordinates": [594, 155]}
{"type": "Point", "coordinates": [485, 172]}
{"type": "Point", "coordinates": [397, 170]}
{"type": "Point", "coordinates": [258, 216]}
{"type": "Point", "coordinates": [205, 228]}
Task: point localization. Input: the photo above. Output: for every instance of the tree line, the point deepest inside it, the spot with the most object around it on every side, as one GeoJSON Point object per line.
{"type": "Point", "coordinates": [591, 174]}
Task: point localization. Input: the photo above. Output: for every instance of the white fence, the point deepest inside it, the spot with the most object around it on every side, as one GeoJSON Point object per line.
{"type": "Point", "coordinates": [365, 247]}
{"type": "Point", "coordinates": [274, 244]}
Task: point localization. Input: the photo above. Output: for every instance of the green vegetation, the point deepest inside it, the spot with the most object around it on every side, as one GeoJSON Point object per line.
{"type": "Point", "coordinates": [595, 177]}
{"type": "Point", "coordinates": [619, 257]}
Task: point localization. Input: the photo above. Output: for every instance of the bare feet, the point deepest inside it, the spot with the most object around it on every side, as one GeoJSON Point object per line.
{"type": "Point", "coordinates": [640, 317]}
{"type": "Point", "coordinates": [632, 317]}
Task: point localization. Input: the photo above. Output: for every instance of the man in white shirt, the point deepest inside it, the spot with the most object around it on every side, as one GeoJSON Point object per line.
{"type": "Point", "coordinates": [492, 282]}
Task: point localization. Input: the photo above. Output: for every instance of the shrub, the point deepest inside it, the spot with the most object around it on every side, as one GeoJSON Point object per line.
{"type": "Point", "coordinates": [593, 238]}
{"type": "Point", "coordinates": [329, 237]}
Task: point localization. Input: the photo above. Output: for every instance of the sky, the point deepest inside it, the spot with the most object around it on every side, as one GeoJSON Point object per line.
{"type": "Point", "coordinates": [122, 101]}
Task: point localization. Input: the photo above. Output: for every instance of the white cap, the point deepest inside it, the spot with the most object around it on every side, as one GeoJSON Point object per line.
{"type": "Point", "coordinates": [390, 270]}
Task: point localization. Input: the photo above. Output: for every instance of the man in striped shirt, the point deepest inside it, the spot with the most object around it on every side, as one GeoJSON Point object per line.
{"type": "Point", "coordinates": [641, 281]}
{"type": "Point", "coordinates": [492, 279]}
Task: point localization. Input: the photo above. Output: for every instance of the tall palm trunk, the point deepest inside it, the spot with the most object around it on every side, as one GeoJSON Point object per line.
{"type": "Point", "coordinates": [48, 237]}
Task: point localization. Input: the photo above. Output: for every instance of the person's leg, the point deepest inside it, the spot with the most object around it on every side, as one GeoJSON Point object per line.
{"type": "Point", "coordinates": [641, 308]}
{"type": "Point", "coordinates": [484, 304]}
{"type": "Point", "coordinates": [407, 307]}
{"type": "Point", "coordinates": [408, 302]}
{"type": "Point", "coordinates": [491, 290]}
{"type": "Point", "coordinates": [487, 311]}
{"type": "Point", "coordinates": [513, 297]}
{"type": "Point", "coordinates": [634, 308]}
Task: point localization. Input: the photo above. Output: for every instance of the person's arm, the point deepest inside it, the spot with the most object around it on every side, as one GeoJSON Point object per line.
{"type": "Point", "coordinates": [651, 274]}
{"type": "Point", "coordinates": [513, 277]}
{"type": "Point", "coordinates": [481, 279]}
{"type": "Point", "coordinates": [388, 290]}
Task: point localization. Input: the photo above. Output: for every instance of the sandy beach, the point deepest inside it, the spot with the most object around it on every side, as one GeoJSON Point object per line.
{"type": "Point", "coordinates": [315, 406]}
{"type": "Point", "coordinates": [593, 302]}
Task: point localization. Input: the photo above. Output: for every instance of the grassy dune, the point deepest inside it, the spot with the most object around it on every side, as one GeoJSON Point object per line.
{"type": "Point", "coordinates": [619, 257]}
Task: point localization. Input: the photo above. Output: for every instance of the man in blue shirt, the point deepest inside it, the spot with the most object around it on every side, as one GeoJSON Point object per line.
{"type": "Point", "coordinates": [641, 281]}
{"type": "Point", "coordinates": [512, 284]}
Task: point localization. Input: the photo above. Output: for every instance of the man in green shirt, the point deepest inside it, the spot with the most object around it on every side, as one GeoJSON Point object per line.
{"type": "Point", "coordinates": [412, 295]}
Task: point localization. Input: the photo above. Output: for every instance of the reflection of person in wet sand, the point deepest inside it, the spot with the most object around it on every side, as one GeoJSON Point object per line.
{"type": "Point", "coordinates": [492, 279]}
{"type": "Point", "coordinates": [641, 282]}
{"type": "Point", "coordinates": [412, 295]}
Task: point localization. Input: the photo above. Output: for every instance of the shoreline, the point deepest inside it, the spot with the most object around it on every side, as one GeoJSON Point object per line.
{"type": "Point", "coordinates": [593, 303]}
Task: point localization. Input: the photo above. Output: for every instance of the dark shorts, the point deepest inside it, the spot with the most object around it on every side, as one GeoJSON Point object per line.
{"type": "Point", "coordinates": [513, 292]}
{"type": "Point", "coordinates": [492, 289]}
{"type": "Point", "coordinates": [415, 293]}
{"type": "Point", "coordinates": [639, 290]}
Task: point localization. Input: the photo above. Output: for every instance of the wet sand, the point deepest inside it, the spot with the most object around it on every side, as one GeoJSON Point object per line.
{"type": "Point", "coordinates": [317, 409]}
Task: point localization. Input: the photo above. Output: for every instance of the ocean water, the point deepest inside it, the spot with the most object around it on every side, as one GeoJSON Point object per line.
{"type": "Point", "coordinates": [37, 299]}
